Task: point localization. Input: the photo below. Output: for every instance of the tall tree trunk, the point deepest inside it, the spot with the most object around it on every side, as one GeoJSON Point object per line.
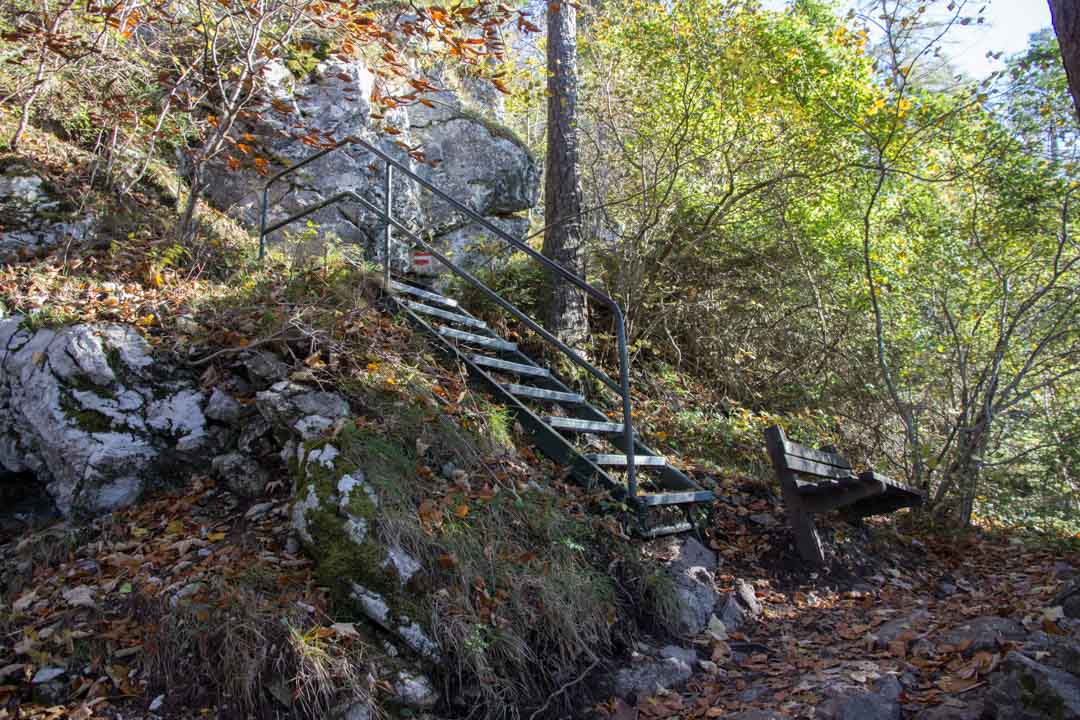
{"type": "Point", "coordinates": [563, 238]}
{"type": "Point", "coordinates": [1066, 17]}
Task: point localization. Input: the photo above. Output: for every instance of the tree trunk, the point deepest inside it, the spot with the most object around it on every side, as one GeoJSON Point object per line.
{"type": "Point", "coordinates": [563, 239]}
{"type": "Point", "coordinates": [1066, 17]}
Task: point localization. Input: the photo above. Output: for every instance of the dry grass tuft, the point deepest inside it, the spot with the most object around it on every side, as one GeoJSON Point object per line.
{"type": "Point", "coordinates": [238, 651]}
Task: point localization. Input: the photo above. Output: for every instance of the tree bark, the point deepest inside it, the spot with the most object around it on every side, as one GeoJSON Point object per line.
{"type": "Point", "coordinates": [1066, 18]}
{"type": "Point", "coordinates": [563, 238]}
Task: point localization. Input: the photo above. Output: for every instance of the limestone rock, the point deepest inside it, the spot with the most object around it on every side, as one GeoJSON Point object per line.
{"type": "Point", "coordinates": [91, 414]}
{"type": "Point", "coordinates": [473, 159]}
{"type": "Point", "coordinates": [741, 606]}
{"type": "Point", "coordinates": [649, 677]}
{"type": "Point", "coordinates": [288, 405]}
{"type": "Point", "coordinates": [34, 220]}
{"type": "Point", "coordinates": [695, 594]}
{"type": "Point", "coordinates": [415, 690]}
{"type": "Point", "coordinates": [335, 514]}
{"type": "Point", "coordinates": [984, 633]}
{"type": "Point", "coordinates": [905, 628]}
{"type": "Point", "coordinates": [241, 473]}
{"type": "Point", "coordinates": [883, 703]}
{"type": "Point", "coordinates": [1069, 599]}
{"type": "Point", "coordinates": [223, 407]}
{"type": "Point", "coordinates": [1028, 690]}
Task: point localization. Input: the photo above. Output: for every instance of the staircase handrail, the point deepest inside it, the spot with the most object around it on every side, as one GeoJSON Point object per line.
{"type": "Point", "coordinates": [622, 388]}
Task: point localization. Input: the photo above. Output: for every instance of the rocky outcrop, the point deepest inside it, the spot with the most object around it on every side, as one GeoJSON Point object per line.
{"type": "Point", "coordinates": [91, 413]}
{"type": "Point", "coordinates": [34, 221]}
{"type": "Point", "coordinates": [476, 161]}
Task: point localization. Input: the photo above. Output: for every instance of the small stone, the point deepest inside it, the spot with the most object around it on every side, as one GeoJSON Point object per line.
{"type": "Point", "coordinates": [259, 510]}
{"type": "Point", "coordinates": [905, 627]}
{"type": "Point", "coordinates": [984, 633]}
{"type": "Point", "coordinates": [357, 711]}
{"type": "Point", "coordinates": [649, 677]}
{"type": "Point", "coordinates": [241, 473]}
{"type": "Point", "coordinates": [46, 675]}
{"type": "Point", "coordinates": [265, 368]}
{"type": "Point", "coordinates": [741, 606]}
{"type": "Point", "coordinates": [763, 519]}
{"type": "Point", "coordinates": [223, 407]}
{"type": "Point", "coordinates": [415, 691]}
{"type": "Point", "coordinates": [687, 655]}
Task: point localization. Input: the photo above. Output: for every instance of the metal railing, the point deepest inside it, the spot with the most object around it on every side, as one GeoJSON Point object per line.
{"type": "Point", "coordinates": [386, 213]}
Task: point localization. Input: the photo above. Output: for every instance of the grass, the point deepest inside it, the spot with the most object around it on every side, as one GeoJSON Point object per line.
{"type": "Point", "coordinates": [239, 651]}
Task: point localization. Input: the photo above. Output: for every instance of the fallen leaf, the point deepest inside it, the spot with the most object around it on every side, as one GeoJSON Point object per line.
{"type": "Point", "coordinates": [81, 596]}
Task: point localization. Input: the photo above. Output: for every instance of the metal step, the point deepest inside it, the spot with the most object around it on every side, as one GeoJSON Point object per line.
{"type": "Point", "coordinates": [620, 460]}
{"type": "Point", "coordinates": [583, 426]}
{"type": "Point", "coordinates": [481, 340]}
{"type": "Point", "coordinates": [518, 368]}
{"type": "Point", "coordinates": [542, 394]}
{"type": "Point", "coordinates": [675, 529]}
{"type": "Point", "coordinates": [453, 317]}
{"type": "Point", "coordinates": [425, 294]}
{"type": "Point", "coordinates": [676, 498]}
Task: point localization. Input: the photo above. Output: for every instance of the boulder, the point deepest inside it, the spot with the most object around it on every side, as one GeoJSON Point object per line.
{"type": "Point", "coordinates": [474, 159]}
{"type": "Point", "coordinates": [974, 710]}
{"type": "Point", "coordinates": [241, 473]}
{"type": "Point", "coordinates": [649, 677]}
{"type": "Point", "coordinates": [301, 410]}
{"type": "Point", "coordinates": [881, 703]}
{"type": "Point", "coordinates": [92, 415]}
{"type": "Point", "coordinates": [984, 633]}
{"type": "Point", "coordinates": [338, 517]}
{"type": "Point", "coordinates": [1069, 599]}
{"type": "Point", "coordinates": [223, 407]}
{"type": "Point", "coordinates": [691, 570]}
{"type": "Point", "coordinates": [905, 628]}
{"type": "Point", "coordinates": [1029, 690]}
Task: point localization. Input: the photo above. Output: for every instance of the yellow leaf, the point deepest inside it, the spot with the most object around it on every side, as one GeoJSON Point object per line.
{"type": "Point", "coordinates": [462, 511]}
{"type": "Point", "coordinates": [145, 321]}
{"type": "Point", "coordinates": [175, 527]}
{"type": "Point", "coordinates": [216, 537]}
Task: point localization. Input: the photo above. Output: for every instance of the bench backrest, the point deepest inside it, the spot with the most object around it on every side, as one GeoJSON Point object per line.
{"type": "Point", "coordinates": [791, 457]}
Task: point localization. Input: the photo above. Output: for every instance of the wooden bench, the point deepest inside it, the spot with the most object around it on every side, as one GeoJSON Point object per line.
{"type": "Point", "coordinates": [835, 487]}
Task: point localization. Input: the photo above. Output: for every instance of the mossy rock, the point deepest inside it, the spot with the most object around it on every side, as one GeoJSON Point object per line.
{"type": "Point", "coordinates": [342, 487]}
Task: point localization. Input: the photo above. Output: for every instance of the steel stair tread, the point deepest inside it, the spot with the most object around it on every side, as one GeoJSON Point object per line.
{"type": "Point", "coordinates": [481, 340]}
{"type": "Point", "coordinates": [513, 367]}
{"type": "Point", "coordinates": [583, 426]}
{"type": "Point", "coordinates": [446, 315]}
{"type": "Point", "coordinates": [620, 460]}
{"type": "Point", "coordinates": [423, 294]}
{"type": "Point", "coordinates": [543, 394]}
{"type": "Point", "coordinates": [675, 498]}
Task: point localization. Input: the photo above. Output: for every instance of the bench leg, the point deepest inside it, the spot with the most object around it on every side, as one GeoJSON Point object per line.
{"type": "Point", "coordinates": [802, 524]}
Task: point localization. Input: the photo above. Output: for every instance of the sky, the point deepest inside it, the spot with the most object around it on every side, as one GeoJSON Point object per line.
{"type": "Point", "coordinates": [1007, 27]}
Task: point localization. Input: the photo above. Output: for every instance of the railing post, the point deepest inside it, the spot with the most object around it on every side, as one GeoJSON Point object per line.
{"type": "Point", "coordinates": [628, 420]}
{"type": "Point", "coordinates": [262, 222]}
{"type": "Point", "coordinates": [389, 189]}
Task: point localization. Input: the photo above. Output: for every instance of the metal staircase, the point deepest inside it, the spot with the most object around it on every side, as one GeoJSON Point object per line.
{"type": "Point", "coordinates": [564, 424]}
